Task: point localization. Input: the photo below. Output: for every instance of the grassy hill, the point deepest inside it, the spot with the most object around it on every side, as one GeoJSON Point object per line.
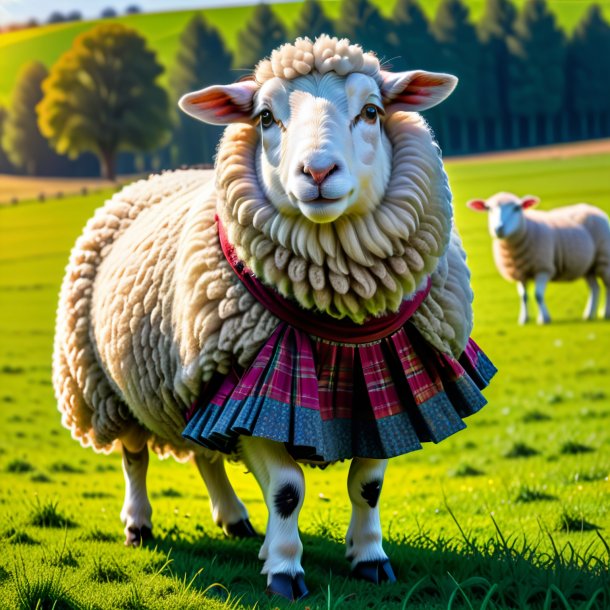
{"type": "Point", "coordinates": [47, 43]}
{"type": "Point", "coordinates": [534, 461]}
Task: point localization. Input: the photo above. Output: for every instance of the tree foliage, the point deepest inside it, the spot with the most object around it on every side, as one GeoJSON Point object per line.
{"type": "Point", "coordinates": [361, 22]}
{"type": "Point", "coordinates": [588, 77]}
{"type": "Point", "coordinates": [24, 144]}
{"type": "Point", "coordinates": [263, 33]}
{"type": "Point", "coordinates": [312, 21]}
{"type": "Point", "coordinates": [495, 28]}
{"type": "Point", "coordinates": [459, 53]}
{"type": "Point", "coordinates": [202, 60]}
{"type": "Point", "coordinates": [412, 42]}
{"type": "Point", "coordinates": [5, 164]}
{"type": "Point", "coordinates": [102, 96]}
{"type": "Point", "coordinates": [537, 54]}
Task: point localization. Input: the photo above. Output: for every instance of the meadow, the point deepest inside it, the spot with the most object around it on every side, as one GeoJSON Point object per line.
{"type": "Point", "coordinates": [162, 30]}
{"type": "Point", "coordinates": [512, 512]}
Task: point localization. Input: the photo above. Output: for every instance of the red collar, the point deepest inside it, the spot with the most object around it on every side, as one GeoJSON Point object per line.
{"type": "Point", "coordinates": [313, 322]}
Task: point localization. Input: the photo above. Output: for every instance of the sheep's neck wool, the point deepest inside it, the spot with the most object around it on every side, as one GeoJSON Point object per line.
{"type": "Point", "coordinates": [359, 265]}
{"type": "Point", "coordinates": [315, 323]}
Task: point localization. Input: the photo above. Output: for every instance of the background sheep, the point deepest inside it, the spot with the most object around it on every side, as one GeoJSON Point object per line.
{"type": "Point", "coordinates": [559, 245]}
{"type": "Point", "coordinates": [330, 189]}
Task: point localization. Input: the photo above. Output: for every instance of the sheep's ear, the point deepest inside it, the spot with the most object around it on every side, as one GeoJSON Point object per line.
{"type": "Point", "coordinates": [478, 205]}
{"type": "Point", "coordinates": [529, 201]}
{"type": "Point", "coordinates": [221, 104]}
{"type": "Point", "coordinates": [416, 90]}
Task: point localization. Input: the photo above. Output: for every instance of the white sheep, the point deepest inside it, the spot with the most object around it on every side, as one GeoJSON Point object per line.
{"type": "Point", "coordinates": [562, 244]}
{"type": "Point", "coordinates": [310, 304]}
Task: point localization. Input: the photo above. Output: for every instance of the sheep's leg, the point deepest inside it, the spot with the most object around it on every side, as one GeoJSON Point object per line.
{"type": "Point", "coordinates": [363, 539]}
{"type": "Point", "coordinates": [607, 306]}
{"type": "Point", "coordinates": [522, 290]}
{"type": "Point", "coordinates": [283, 485]}
{"type": "Point", "coordinates": [228, 511]}
{"type": "Point", "coordinates": [591, 308]}
{"type": "Point", "coordinates": [542, 279]}
{"type": "Point", "coordinates": [137, 511]}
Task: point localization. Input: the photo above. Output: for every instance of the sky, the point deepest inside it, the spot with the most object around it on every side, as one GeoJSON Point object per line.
{"type": "Point", "coordinates": [17, 11]}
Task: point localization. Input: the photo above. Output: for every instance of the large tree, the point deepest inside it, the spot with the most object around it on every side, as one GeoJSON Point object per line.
{"type": "Point", "coordinates": [459, 53]}
{"type": "Point", "coordinates": [202, 60]}
{"type": "Point", "coordinates": [263, 33]}
{"type": "Point", "coordinates": [102, 96]}
{"type": "Point", "coordinates": [413, 45]}
{"type": "Point", "coordinates": [362, 23]}
{"type": "Point", "coordinates": [588, 71]}
{"type": "Point", "coordinates": [5, 164]}
{"type": "Point", "coordinates": [536, 68]}
{"type": "Point", "coordinates": [312, 21]}
{"type": "Point", "coordinates": [495, 27]}
{"type": "Point", "coordinates": [25, 146]}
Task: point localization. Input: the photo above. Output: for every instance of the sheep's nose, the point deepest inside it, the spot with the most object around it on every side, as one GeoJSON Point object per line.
{"type": "Point", "coordinates": [319, 175]}
{"type": "Point", "coordinates": [500, 231]}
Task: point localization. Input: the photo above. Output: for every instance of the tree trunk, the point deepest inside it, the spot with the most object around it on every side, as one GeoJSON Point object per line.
{"type": "Point", "coordinates": [108, 164]}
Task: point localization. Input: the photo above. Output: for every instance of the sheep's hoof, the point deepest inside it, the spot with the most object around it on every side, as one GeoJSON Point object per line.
{"type": "Point", "coordinates": [290, 587]}
{"type": "Point", "coordinates": [374, 571]}
{"type": "Point", "coordinates": [241, 529]}
{"type": "Point", "coordinates": [137, 536]}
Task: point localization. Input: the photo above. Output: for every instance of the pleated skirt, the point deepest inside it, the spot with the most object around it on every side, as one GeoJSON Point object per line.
{"type": "Point", "coordinates": [330, 401]}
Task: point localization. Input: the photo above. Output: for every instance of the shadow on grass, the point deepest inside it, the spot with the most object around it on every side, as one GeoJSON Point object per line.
{"type": "Point", "coordinates": [431, 572]}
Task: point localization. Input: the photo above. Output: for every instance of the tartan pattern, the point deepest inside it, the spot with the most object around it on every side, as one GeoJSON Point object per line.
{"type": "Point", "coordinates": [330, 401]}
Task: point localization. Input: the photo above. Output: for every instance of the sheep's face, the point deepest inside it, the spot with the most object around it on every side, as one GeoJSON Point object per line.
{"type": "Point", "coordinates": [323, 152]}
{"type": "Point", "coordinates": [505, 212]}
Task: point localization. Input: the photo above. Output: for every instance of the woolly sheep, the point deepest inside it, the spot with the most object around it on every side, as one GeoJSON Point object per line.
{"type": "Point", "coordinates": [330, 206]}
{"type": "Point", "coordinates": [563, 244]}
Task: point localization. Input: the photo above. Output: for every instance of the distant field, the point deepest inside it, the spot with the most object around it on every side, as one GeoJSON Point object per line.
{"type": "Point", "coordinates": [162, 30]}
{"type": "Point", "coordinates": [534, 463]}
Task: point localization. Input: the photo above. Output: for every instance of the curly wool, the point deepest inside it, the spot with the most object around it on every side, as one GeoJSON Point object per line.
{"type": "Point", "coordinates": [359, 265]}
{"type": "Point", "coordinates": [135, 338]}
{"type": "Point", "coordinates": [324, 55]}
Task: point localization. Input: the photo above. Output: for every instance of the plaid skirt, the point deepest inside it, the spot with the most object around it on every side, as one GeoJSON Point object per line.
{"type": "Point", "coordinates": [330, 401]}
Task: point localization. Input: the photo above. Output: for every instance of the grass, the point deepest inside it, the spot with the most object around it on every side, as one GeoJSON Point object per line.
{"type": "Point", "coordinates": [458, 539]}
{"type": "Point", "coordinates": [163, 30]}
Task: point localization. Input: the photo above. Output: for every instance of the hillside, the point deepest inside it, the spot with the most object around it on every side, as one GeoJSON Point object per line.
{"type": "Point", "coordinates": [162, 30]}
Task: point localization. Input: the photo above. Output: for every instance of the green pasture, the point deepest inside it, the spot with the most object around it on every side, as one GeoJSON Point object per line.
{"type": "Point", "coordinates": [163, 30]}
{"type": "Point", "coordinates": [513, 512]}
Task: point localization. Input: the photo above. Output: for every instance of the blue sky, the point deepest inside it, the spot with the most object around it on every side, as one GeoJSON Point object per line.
{"type": "Point", "coordinates": [15, 11]}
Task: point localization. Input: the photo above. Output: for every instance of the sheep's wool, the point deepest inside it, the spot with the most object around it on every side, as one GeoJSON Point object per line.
{"type": "Point", "coordinates": [359, 265]}
{"type": "Point", "coordinates": [324, 55]}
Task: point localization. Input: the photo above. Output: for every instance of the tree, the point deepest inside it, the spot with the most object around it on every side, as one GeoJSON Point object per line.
{"type": "Point", "coordinates": [56, 17]}
{"type": "Point", "coordinates": [102, 96]}
{"type": "Point", "coordinates": [494, 29]}
{"type": "Point", "coordinates": [263, 33]}
{"type": "Point", "coordinates": [133, 9]}
{"type": "Point", "coordinates": [202, 60]}
{"type": "Point", "coordinates": [536, 69]}
{"type": "Point", "coordinates": [459, 53]}
{"type": "Point", "coordinates": [312, 21]}
{"type": "Point", "coordinates": [362, 23]}
{"type": "Point", "coordinates": [410, 38]}
{"type": "Point", "coordinates": [5, 164]}
{"type": "Point", "coordinates": [108, 13]}
{"type": "Point", "coordinates": [588, 67]}
{"type": "Point", "coordinates": [24, 144]}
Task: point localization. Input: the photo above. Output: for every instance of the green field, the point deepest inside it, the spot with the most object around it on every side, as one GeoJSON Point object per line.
{"type": "Point", "coordinates": [163, 30]}
{"type": "Point", "coordinates": [514, 509]}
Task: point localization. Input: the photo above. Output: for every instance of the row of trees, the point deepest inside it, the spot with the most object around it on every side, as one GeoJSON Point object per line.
{"type": "Point", "coordinates": [522, 81]}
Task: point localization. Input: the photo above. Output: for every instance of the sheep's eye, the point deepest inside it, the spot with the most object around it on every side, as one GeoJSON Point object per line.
{"type": "Point", "coordinates": [267, 118]}
{"type": "Point", "coordinates": [369, 113]}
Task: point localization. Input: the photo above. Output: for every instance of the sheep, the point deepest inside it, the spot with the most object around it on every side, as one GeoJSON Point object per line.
{"type": "Point", "coordinates": [563, 244]}
{"type": "Point", "coordinates": [311, 303]}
